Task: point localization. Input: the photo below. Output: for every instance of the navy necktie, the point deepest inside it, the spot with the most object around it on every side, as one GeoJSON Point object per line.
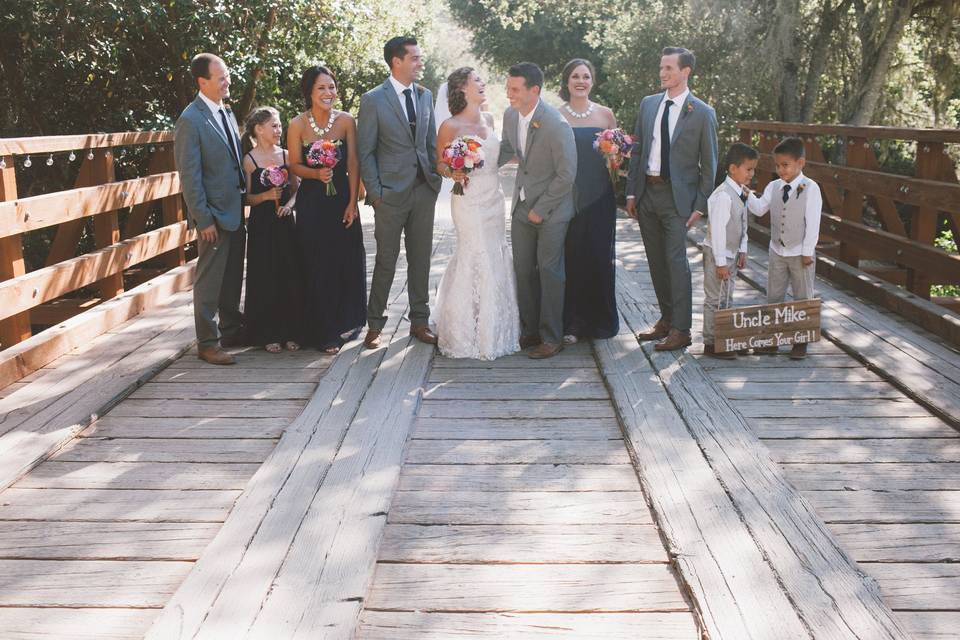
{"type": "Point", "coordinates": [743, 197]}
{"type": "Point", "coordinates": [786, 193]}
{"type": "Point", "coordinates": [665, 140]}
{"type": "Point", "coordinates": [411, 113]}
{"type": "Point", "coordinates": [233, 147]}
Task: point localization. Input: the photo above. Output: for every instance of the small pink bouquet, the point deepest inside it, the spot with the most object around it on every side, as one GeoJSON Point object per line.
{"type": "Point", "coordinates": [275, 177]}
{"type": "Point", "coordinates": [463, 154]}
{"type": "Point", "coordinates": [325, 153]}
{"type": "Point", "coordinates": [614, 145]}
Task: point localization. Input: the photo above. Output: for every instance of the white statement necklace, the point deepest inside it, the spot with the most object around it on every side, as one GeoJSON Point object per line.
{"type": "Point", "coordinates": [317, 130]}
{"type": "Point", "coordinates": [577, 114]}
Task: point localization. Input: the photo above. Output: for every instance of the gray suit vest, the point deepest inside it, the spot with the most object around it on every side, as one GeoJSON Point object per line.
{"type": "Point", "coordinates": [737, 223]}
{"type": "Point", "coordinates": [787, 220]}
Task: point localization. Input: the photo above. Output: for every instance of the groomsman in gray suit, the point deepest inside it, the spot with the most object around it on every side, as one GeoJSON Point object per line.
{"type": "Point", "coordinates": [540, 138]}
{"type": "Point", "coordinates": [672, 173]}
{"type": "Point", "coordinates": [397, 143]}
{"type": "Point", "coordinates": [207, 150]}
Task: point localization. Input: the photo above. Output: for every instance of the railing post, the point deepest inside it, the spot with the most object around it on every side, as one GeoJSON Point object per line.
{"type": "Point", "coordinates": [15, 328]}
{"type": "Point", "coordinates": [852, 208]}
{"type": "Point", "coordinates": [106, 227]}
{"type": "Point", "coordinates": [172, 208]}
{"type": "Point", "coordinates": [923, 226]}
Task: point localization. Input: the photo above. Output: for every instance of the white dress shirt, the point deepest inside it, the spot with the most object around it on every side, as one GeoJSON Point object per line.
{"type": "Point", "coordinates": [760, 206]}
{"type": "Point", "coordinates": [399, 88]}
{"type": "Point", "coordinates": [718, 206]}
{"type": "Point", "coordinates": [653, 160]}
{"type": "Point", "coordinates": [523, 128]}
{"type": "Point", "coordinates": [215, 109]}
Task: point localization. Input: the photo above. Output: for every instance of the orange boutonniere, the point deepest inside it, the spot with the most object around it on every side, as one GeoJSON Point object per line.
{"type": "Point", "coordinates": [690, 108]}
{"type": "Point", "coordinates": [535, 124]}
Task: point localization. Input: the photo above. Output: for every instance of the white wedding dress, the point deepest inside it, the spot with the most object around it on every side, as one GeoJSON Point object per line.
{"type": "Point", "coordinates": [477, 314]}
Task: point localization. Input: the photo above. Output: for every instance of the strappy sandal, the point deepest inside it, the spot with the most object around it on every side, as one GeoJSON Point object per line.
{"type": "Point", "coordinates": [273, 347]}
{"type": "Point", "coordinates": [292, 346]}
{"type": "Point", "coordinates": [332, 351]}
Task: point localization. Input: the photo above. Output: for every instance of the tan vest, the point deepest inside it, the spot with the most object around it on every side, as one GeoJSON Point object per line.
{"type": "Point", "coordinates": [788, 223]}
{"type": "Point", "coordinates": [736, 223]}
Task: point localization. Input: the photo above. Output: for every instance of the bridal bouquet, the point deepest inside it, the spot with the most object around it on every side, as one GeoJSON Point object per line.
{"type": "Point", "coordinates": [325, 153]}
{"type": "Point", "coordinates": [614, 145]}
{"type": "Point", "coordinates": [463, 154]}
{"type": "Point", "coordinates": [275, 177]}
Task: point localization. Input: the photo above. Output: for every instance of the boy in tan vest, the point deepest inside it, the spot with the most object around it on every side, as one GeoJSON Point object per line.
{"type": "Point", "coordinates": [794, 203]}
{"type": "Point", "coordinates": [725, 247]}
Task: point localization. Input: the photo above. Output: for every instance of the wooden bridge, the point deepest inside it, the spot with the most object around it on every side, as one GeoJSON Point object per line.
{"type": "Point", "coordinates": [610, 492]}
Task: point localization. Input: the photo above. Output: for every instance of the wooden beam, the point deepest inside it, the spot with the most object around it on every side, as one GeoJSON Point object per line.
{"type": "Point", "coordinates": [47, 210]}
{"type": "Point", "coordinates": [54, 144]}
{"type": "Point", "coordinates": [15, 328]}
{"type": "Point", "coordinates": [877, 133]}
{"type": "Point", "coordinates": [106, 227]}
{"type": "Point", "coordinates": [34, 288]}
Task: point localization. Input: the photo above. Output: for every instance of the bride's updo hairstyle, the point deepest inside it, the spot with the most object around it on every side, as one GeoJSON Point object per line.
{"type": "Point", "coordinates": [456, 98]}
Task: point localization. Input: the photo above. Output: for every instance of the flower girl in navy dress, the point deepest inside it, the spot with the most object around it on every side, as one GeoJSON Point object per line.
{"type": "Point", "coordinates": [272, 307]}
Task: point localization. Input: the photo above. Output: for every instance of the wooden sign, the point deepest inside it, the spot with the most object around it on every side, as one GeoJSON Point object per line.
{"type": "Point", "coordinates": [767, 325]}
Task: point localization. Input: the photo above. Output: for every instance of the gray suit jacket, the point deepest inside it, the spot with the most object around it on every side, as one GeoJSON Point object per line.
{"type": "Point", "coordinates": [209, 173]}
{"type": "Point", "coordinates": [389, 155]}
{"type": "Point", "coordinates": [693, 153]}
{"type": "Point", "coordinates": [548, 166]}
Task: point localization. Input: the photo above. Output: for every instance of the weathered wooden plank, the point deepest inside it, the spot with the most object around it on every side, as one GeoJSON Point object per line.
{"type": "Point", "coordinates": [528, 375]}
{"type": "Point", "coordinates": [931, 625]}
{"type": "Point", "coordinates": [534, 588]}
{"type": "Point", "coordinates": [226, 391]}
{"type": "Point", "coordinates": [808, 390]}
{"type": "Point", "coordinates": [105, 540]}
{"type": "Point", "coordinates": [517, 429]}
{"type": "Point", "coordinates": [563, 360]}
{"type": "Point", "coordinates": [518, 478]}
{"type": "Point", "coordinates": [876, 477]}
{"type": "Point", "coordinates": [516, 409]}
{"type": "Point", "coordinates": [813, 361]}
{"type": "Point", "coordinates": [134, 408]}
{"type": "Point", "coordinates": [887, 506]}
{"type": "Point", "coordinates": [747, 373]}
{"type": "Point", "coordinates": [537, 544]}
{"type": "Point", "coordinates": [917, 427]}
{"type": "Point", "coordinates": [239, 374]}
{"type": "Point", "coordinates": [515, 391]}
{"type": "Point", "coordinates": [918, 586]}
{"type": "Point", "coordinates": [89, 583]}
{"type": "Point", "coordinates": [220, 450]}
{"type": "Point", "coordinates": [834, 409]}
{"type": "Point", "coordinates": [473, 452]}
{"type": "Point", "coordinates": [110, 426]}
{"type": "Point", "coordinates": [32, 623]}
{"type": "Point", "coordinates": [138, 475]}
{"type": "Point", "coordinates": [886, 450]}
{"type": "Point", "coordinates": [530, 507]}
{"type": "Point", "coordinates": [914, 542]}
{"type": "Point", "coordinates": [116, 505]}
{"type": "Point", "coordinates": [250, 359]}
{"type": "Point", "coordinates": [394, 625]}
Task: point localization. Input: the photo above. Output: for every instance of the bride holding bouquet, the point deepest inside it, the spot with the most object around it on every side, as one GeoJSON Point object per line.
{"type": "Point", "coordinates": [477, 314]}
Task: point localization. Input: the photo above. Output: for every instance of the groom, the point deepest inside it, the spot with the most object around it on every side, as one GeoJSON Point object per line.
{"type": "Point", "coordinates": [397, 144]}
{"type": "Point", "coordinates": [539, 137]}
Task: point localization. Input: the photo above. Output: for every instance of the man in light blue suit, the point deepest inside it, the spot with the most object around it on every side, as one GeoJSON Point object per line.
{"type": "Point", "coordinates": [672, 172]}
{"type": "Point", "coordinates": [207, 149]}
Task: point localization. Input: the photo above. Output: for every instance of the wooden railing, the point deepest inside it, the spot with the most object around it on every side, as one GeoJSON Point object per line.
{"type": "Point", "coordinates": [907, 208]}
{"type": "Point", "coordinates": [96, 197]}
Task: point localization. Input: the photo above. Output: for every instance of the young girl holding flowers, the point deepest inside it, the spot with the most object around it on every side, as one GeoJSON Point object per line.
{"type": "Point", "coordinates": [272, 305]}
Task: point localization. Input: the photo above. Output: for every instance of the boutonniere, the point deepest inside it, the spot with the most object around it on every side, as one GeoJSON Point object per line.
{"type": "Point", "coordinates": [800, 188]}
{"type": "Point", "coordinates": [690, 107]}
{"type": "Point", "coordinates": [535, 124]}
{"type": "Point", "coordinates": [420, 90]}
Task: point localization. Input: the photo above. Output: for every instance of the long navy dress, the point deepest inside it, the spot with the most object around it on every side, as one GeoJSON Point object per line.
{"type": "Point", "coordinates": [590, 304]}
{"type": "Point", "coordinates": [271, 307]}
{"type": "Point", "coordinates": [333, 259]}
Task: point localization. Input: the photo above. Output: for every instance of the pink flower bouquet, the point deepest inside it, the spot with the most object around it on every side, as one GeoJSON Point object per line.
{"type": "Point", "coordinates": [614, 145]}
{"type": "Point", "coordinates": [463, 154]}
{"type": "Point", "coordinates": [326, 154]}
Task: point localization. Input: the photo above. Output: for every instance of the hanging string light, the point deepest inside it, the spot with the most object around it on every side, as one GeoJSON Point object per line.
{"type": "Point", "coordinates": [3, 163]}
{"type": "Point", "coordinates": [50, 160]}
{"type": "Point", "coordinates": [90, 155]}
{"type": "Point", "coordinates": [28, 162]}
{"type": "Point", "coordinates": [72, 156]}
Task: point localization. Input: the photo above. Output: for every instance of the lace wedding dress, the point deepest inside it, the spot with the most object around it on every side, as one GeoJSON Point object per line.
{"type": "Point", "coordinates": [477, 314]}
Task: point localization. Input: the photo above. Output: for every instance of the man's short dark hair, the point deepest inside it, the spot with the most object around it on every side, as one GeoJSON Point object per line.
{"type": "Point", "coordinates": [792, 147]}
{"type": "Point", "coordinates": [687, 59]}
{"type": "Point", "coordinates": [532, 74]}
{"type": "Point", "coordinates": [397, 48]}
{"type": "Point", "coordinates": [200, 66]}
{"type": "Point", "coordinates": [738, 153]}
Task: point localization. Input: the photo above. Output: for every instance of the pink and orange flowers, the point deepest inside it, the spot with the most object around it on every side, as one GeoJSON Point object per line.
{"type": "Point", "coordinates": [463, 154]}
{"type": "Point", "coordinates": [276, 177]}
{"type": "Point", "coordinates": [614, 145]}
{"type": "Point", "coordinates": [325, 153]}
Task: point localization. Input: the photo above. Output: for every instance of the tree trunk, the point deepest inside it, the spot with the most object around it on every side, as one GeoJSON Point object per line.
{"type": "Point", "coordinates": [788, 12]}
{"type": "Point", "coordinates": [820, 55]}
{"type": "Point", "coordinates": [246, 101]}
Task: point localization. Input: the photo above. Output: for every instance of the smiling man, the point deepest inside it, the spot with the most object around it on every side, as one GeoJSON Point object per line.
{"type": "Point", "coordinates": [672, 171]}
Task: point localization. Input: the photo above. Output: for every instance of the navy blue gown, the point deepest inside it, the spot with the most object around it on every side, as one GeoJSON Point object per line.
{"type": "Point", "coordinates": [590, 302]}
{"type": "Point", "coordinates": [333, 261]}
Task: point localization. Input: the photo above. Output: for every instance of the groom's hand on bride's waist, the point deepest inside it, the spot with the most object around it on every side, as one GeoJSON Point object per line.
{"type": "Point", "coordinates": [534, 218]}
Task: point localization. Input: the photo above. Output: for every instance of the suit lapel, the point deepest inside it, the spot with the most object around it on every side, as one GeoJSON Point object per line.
{"type": "Point", "coordinates": [423, 113]}
{"type": "Point", "coordinates": [211, 120]}
{"type": "Point", "coordinates": [394, 100]}
{"type": "Point", "coordinates": [684, 112]}
{"type": "Point", "coordinates": [531, 128]}
{"type": "Point", "coordinates": [650, 122]}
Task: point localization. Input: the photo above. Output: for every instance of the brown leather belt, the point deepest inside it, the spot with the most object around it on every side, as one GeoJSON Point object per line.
{"type": "Point", "coordinates": [657, 180]}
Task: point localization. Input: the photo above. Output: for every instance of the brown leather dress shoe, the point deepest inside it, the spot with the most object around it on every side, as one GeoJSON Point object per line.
{"type": "Point", "coordinates": [544, 350]}
{"type": "Point", "coordinates": [529, 341]}
{"type": "Point", "coordinates": [710, 352]}
{"type": "Point", "coordinates": [656, 332]}
{"type": "Point", "coordinates": [423, 334]}
{"type": "Point", "coordinates": [215, 355]}
{"type": "Point", "coordinates": [799, 351]}
{"type": "Point", "coordinates": [372, 339]}
{"type": "Point", "coordinates": [676, 339]}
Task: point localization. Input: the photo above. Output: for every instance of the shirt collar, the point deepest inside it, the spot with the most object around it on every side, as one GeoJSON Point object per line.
{"type": "Point", "coordinates": [796, 181]}
{"type": "Point", "coordinates": [680, 99]}
{"type": "Point", "coordinates": [214, 107]}
{"type": "Point", "coordinates": [399, 88]}
{"type": "Point", "coordinates": [733, 184]}
{"type": "Point", "coordinates": [526, 118]}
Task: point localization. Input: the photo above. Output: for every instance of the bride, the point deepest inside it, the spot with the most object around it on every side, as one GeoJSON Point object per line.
{"type": "Point", "coordinates": [476, 314]}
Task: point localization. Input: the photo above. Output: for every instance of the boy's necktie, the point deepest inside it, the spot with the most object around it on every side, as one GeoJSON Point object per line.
{"type": "Point", "coordinates": [786, 193]}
